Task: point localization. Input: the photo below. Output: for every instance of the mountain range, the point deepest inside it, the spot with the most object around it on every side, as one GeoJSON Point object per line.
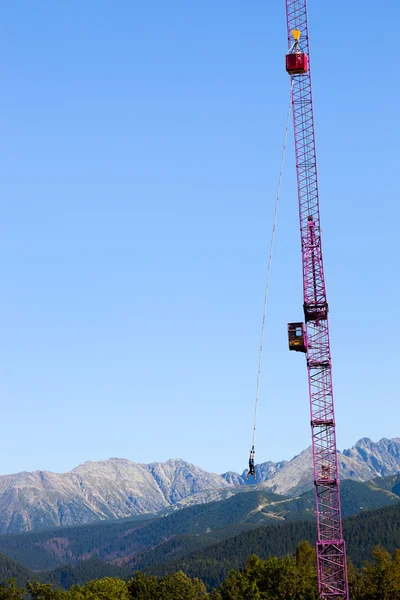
{"type": "Point", "coordinates": [204, 540]}
{"type": "Point", "coordinates": [118, 488]}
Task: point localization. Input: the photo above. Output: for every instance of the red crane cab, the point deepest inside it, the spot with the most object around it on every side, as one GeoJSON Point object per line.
{"type": "Point", "coordinates": [296, 63]}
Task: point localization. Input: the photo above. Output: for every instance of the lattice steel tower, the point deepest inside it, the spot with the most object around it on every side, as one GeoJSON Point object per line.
{"type": "Point", "coordinates": [312, 338]}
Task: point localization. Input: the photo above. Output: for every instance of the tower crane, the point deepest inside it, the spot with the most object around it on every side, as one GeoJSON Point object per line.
{"type": "Point", "coordinates": [312, 336]}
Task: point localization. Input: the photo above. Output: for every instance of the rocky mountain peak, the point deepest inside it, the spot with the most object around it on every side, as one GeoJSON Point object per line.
{"type": "Point", "coordinates": [381, 458]}
{"type": "Point", "coordinates": [364, 443]}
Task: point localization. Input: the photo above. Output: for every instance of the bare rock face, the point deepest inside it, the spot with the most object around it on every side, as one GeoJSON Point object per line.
{"type": "Point", "coordinates": [295, 476]}
{"type": "Point", "coordinates": [177, 479]}
{"type": "Point", "coordinates": [107, 489]}
{"type": "Point", "coordinates": [234, 478]}
{"type": "Point", "coordinates": [381, 458]}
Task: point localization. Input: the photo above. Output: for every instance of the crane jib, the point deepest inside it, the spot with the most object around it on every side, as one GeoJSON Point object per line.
{"type": "Point", "coordinates": [312, 337]}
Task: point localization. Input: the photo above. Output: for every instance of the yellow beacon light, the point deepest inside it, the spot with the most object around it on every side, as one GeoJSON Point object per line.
{"type": "Point", "coordinates": [296, 34]}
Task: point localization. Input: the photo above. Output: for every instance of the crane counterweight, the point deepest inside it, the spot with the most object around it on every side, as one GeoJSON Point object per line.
{"type": "Point", "coordinates": [296, 63]}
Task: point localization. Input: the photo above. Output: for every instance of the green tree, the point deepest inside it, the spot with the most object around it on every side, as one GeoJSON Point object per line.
{"type": "Point", "coordinates": [142, 587]}
{"type": "Point", "coordinates": [293, 578]}
{"type": "Point", "coordinates": [44, 591]}
{"type": "Point", "coordinates": [382, 577]}
{"type": "Point", "coordinates": [356, 581]}
{"type": "Point", "coordinates": [306, 566]}
{"type": "Point", "coordinates": [109, 588]}
{"type": "Point", "coordinates": [80, 594]}
{"type": "Point", "coordinates": [238, 586]}
{"type": "Point", "coordinates": [280, 578]}
{"type": "Point", "coordinates": [181, 587]}
{"type": "Point", "coordinates": [10, 591]}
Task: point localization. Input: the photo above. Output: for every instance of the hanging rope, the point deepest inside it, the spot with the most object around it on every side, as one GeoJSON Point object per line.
{"type": "Point", "coordinates": [271, 247]}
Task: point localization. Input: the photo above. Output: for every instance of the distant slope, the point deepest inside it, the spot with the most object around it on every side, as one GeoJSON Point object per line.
{"type": "Point", "coordinates": [362, 533]}
{"type": "Point", "coordinates": [390, 483]}
{"type": "Point", "coordinates": [63, 577]}
{"type": "Point", "coordinates": [357, 496]}
{"type": "Point", "coordinates": [67, 576]}
{"type": "Point", "coordinates": [9, 569]}
{"type": "Point", "coordinates": [120, 541]}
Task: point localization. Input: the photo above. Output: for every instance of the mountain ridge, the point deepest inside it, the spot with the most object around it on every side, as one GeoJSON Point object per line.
{"type": "Point", "coordinates": [118, 488]}
{"type": "Point", "coordinates": [108, 489]}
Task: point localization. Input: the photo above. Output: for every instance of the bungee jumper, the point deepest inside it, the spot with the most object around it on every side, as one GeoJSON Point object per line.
{"type": "Point", "coordinates": [252, 470]}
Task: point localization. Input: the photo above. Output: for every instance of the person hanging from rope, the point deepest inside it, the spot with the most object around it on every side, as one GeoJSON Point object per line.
{"type": "Point", "coordinates": [252, 470]}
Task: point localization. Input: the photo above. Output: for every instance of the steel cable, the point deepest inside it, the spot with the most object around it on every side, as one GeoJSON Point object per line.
{"type": "Point", "coordinates": [269, 265]}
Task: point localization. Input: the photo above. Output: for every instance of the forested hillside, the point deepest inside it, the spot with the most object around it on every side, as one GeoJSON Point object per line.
{"type": "Point", "coordinates": [290, 577]}
{"type": "Point", "coordinates": [209, 556]}
{"type": "Point", "coordinates": [153, 543]}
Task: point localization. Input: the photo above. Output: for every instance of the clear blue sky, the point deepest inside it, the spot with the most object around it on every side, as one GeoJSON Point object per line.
{"type": "Point", "coordinates": [140, 150]}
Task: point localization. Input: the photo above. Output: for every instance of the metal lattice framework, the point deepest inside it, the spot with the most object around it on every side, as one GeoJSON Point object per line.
{"type": "Point", "coordinates": [331, 552]}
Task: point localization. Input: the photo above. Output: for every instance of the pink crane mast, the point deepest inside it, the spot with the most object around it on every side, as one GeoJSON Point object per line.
{"type": "Point", "coordinates": [312, 337]}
